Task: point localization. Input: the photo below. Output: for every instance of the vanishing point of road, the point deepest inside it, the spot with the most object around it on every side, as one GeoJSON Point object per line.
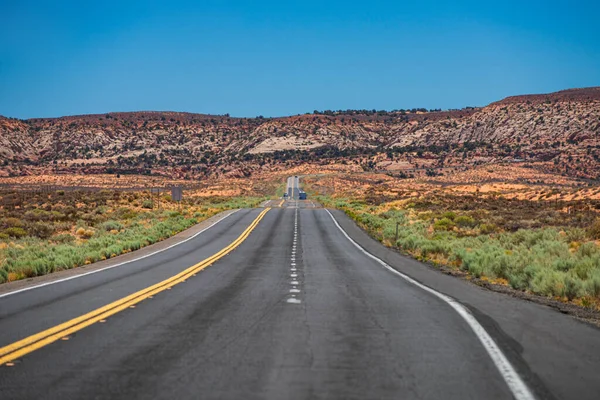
{"type": "Point", "coordinates": [287, 301]}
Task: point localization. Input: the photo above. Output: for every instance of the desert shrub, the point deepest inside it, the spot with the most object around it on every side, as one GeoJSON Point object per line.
{"type": "Point", "coordinates": [15, 232]}
{"type": "Point", "coordinates": [371, 221]}
{"type": "Point", "coordinates": [147, 204]}
{"type": "Point", "coordinates": [443, 224]}
{"type": "Point", "coordinates": [486, 229]}
{"type": "Point", "coordinates": [592, 285]}
{"type": "Point", "coordinates": [111, 225]}
{"type": "Point", "coordinates": [425, 216]}
{"type": "Point", "coordinates": [171, 213]}
{"type": "Point", "coordinates": [411, 242]}
{"type": "Point", "coordinates": [389, 226]}
{"type": "Point", "coordinates": [12, 222]}
{"type": "Point", "coordinates": [37, 215]}
{"type": "Point", "coordinates": [101, 210]}
{"type": "Point", "coordinates": [594, 229]}
{"type": "Point", "coordinates": [4, 236]}
{"type": "Point", "coordinates": [433, 247]}
{"type": "Point", "coordinates": [588, 249]}
{"type": "Point", "coordinates": [554, 249]}
{"type": "Point", "coordinates": [464, 221]}
{"type": "Point", "coordinates": [575, 235]}
{"type": "Point", "coordinates": [43, 230]}
{"type": "Point", "coordinates": [85, 233]}
{"type": "Point", "coordinates": [63, 238]}
{"type": "Point", "coordinates": [548, 282]}
{"type": "Point", "coordinates": [585, 267]}
{"type": "Point", "coordinates": [573, 287]}
{"type": "Point", "coordinates": [451, 215]}
{"type": "Point", "coordinates": [396, 215]}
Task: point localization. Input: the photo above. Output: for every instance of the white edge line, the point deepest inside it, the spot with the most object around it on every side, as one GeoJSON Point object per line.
{"type": "Point", "coordinates": [516, 385]}
{"type": "Point", "coordinates": [116, 265]}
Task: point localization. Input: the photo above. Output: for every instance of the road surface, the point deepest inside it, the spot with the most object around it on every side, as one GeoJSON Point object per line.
{"type": "Point", "coordinates": [295, 311]}
{"type": "Point", "coordinates": [293, 187]}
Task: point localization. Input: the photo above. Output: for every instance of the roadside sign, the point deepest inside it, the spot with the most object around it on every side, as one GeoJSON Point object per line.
{"type": "Point", "coordinates": [176, 193]}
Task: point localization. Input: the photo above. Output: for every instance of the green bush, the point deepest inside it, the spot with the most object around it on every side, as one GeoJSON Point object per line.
{"type": "Point", "coordinates": [451, 215]}
{"type": "Point", "coordinates": [465, 221]}
{"type": "Point", "coordinates": [575, 235]}
{"type": "Point", "coordinates": [63, 238]}
{"type": "Point", "coordinates": [37, 215]}
{"type": "Point", "coordinates": [43, 230]}
{"type": "Point", "coordinates": [443, 224]}
{"type": "Point", "coordinates": [111, 226]}
{"type": "Point", "coordinates": [486, 229]}
{"type": "Point", "coordinates": [149, 204]}
{"type": "Point", "coordinates": [15, 232]}
{"type": "Point", "coordinates": [12, 222]}
{"type": "Point", "coordinates": [594, 230]}
{"type": "Point", "coordinates": [124, 213]}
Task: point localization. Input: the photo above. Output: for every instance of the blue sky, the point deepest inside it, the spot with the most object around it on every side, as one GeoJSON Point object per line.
{"type": "Point", "coordinates": [274, 58]}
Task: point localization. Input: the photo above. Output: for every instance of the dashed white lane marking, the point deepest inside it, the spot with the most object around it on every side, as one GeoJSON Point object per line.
{"type": "Point", "coordinates": [292, 299]}
{"type": "Point", "coordinates": [514, 382]}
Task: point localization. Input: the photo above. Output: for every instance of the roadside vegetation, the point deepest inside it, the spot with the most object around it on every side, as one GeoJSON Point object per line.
{"type": "Point", "coordinates": [53, 231]}
{"type": "Point", "coordinates": [538, 247]}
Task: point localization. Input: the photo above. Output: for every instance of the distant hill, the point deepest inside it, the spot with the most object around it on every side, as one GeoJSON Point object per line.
{"type": "Point", "coordinates": [558, 132]}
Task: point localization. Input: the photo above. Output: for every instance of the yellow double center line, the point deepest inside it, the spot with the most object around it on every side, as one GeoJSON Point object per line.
{"type": "Point", "coordinates": [39, 340]}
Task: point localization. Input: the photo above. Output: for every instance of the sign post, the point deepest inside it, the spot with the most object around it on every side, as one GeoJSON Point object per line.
{"type": "Point", "coordinates": [177, 195]}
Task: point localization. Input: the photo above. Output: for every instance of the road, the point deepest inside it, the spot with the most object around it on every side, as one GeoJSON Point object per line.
{"type": "Point", "coordinates": [295, 311]}
{"type": "Point", "coordinates": [293, 187]}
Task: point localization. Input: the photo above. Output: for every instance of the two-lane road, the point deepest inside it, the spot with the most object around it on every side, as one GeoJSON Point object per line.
{"type": "Point", "coordinates": [295, 311]}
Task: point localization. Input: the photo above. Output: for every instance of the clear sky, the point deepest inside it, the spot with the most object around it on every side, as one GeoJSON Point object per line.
{"type": "Point", "coordinates": [275, 58]}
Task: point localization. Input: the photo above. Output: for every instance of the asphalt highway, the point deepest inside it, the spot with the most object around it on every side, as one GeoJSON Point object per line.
{"type": "Point", "coordinates": [295, 311]}
{"type": "Point", "coordinates": [293, 187]}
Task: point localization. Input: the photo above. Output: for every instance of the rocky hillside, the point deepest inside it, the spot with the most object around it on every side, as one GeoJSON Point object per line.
{"type": "Point", "coordinates": [557, 132]}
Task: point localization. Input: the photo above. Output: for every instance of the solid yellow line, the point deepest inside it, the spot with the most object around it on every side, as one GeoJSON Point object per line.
{"type": "Point", "coordinates": [41, 339]}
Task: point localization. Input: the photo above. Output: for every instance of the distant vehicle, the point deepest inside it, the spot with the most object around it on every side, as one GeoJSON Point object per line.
{"type": "Point", "coordinates": [302, 195]}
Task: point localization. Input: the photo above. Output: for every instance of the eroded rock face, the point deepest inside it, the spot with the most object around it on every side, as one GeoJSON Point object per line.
{"type": "Point", "coordinates": [561, 129]}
